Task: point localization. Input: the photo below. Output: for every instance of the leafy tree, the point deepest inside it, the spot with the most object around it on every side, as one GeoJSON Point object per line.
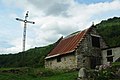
{"type": "Point", "coordinates": [110, 31]}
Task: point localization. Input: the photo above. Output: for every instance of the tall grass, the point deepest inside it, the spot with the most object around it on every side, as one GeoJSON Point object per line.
{"type": "Point", "coordinates": [38, 74]}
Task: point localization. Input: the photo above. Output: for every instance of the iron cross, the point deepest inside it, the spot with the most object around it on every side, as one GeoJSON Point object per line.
{"type": "Point", "coordinates": [24, 32]}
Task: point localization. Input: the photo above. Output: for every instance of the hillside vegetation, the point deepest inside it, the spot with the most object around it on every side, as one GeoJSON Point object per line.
{"type": "Point", "coordinates": [110, 31]}
{"type": "Point", "coordinates": [30, 58]}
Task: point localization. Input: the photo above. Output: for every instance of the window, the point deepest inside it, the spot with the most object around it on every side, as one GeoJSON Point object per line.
{"type": "Point", "coordinates": [109, 56]}
{"type": "Point", "coordinates": [110, 59]}
{"type": "Point", "coordinates": [59, 59]}
{"type": "Point", "coordinates": [95, 41]}
{"type": "Point", "coordinates": [109, 52]}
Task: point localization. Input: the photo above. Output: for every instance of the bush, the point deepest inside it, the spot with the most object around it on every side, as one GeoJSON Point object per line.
{"type": "Point", "coordinates": [107, 73]}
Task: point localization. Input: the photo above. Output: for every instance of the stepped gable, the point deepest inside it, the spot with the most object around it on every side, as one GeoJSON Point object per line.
{"type": "Point", "coordinates": [68, 44]}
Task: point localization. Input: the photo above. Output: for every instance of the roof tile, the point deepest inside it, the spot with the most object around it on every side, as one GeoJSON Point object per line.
{"type": "Point", "coordinates": [68, 44]}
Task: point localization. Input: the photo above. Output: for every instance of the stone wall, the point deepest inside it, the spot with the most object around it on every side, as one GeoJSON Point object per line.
{"type": "Point", "coordinates": [68, 61]}
{"type": "Point", "coordinates": [115, 54]}
{"type": "Point", "coordinates": [86, 53]}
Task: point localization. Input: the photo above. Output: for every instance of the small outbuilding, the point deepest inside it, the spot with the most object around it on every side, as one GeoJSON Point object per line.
{"type": "Point", "coordinates": [111, 54]}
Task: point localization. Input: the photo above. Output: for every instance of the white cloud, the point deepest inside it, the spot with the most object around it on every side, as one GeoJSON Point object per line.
{"type": "Point", "coordinates": [16, 48]}
{"type": "Point", "coordinates": [56, 18]}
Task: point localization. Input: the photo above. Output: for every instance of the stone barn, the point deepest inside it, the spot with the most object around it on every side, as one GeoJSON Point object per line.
{"type": "Point", "coordinates": [76, 50]}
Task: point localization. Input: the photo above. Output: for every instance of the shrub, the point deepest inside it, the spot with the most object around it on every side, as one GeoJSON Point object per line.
{"type": "Point", "coordinates": [106, 72]}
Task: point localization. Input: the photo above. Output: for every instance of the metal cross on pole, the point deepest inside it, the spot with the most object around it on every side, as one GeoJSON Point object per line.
{"type": "Point", "coordinates": [24, 32]}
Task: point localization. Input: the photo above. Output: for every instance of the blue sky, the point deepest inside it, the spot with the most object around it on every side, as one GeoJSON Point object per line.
{"type": "Point", "coordinates": [52, 17]}
{"type": "Point", "coordinates": [8, 25]}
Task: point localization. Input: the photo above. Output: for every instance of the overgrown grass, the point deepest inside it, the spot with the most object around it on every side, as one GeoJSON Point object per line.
{"type": "Point", "coordinates": [116, 64]}
{"type": "Point", "coordinates": [37, 74]}
{"type": "Point", "coordinates": [63, 76]}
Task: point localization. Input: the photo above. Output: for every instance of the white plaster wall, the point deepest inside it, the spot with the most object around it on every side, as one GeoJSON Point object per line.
{"type": "Point", "coordinates": [104, 55]}
{"type": "Point", "coordinates": [115, 54]}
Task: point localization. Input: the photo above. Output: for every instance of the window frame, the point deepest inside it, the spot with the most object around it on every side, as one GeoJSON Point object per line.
{"type": "Point", "coordinates": [109, 55]}
{"type": "Point", "coordinates": [109, 52]}
{"type": "Point", "coordinates": [95, 41]}
{"type": "Point", "coordinates": [59, 59]}
{"type": "Point", "coordinates": [110, 59]}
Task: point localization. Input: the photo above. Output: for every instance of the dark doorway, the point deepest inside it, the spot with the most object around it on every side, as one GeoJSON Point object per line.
{"type": "Point", "coordinates": [94, 61]}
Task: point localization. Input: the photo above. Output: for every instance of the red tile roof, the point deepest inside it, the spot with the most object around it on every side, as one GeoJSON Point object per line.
{"type": "Point", "coordinates": [67, 44]}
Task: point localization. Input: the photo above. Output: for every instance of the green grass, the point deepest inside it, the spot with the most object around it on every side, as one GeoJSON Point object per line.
{"type": "Point", "coordinates": [37, 74]}
{"type": "Point", "coordinates": [63, 76]}
{"type": "Point", "coordinates": [116, 64]}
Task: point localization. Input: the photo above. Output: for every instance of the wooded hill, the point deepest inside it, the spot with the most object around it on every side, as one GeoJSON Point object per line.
{"type": "Point", "coordinates": [108, 29]}
{"type": "Point", "coordinates": [30, 58]}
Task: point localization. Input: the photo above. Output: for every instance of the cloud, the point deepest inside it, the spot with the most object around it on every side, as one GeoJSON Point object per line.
{"type": "Point", "coordinates": [5, 44]}
{"type": "Point", "coordinates": [56, 18]}
{"type": "Point", "coordinates": [52, 7]}
{"type": "Point", "coordinates": [15, 47]}
{"type": "Point", "coordinates": [91, 1]}
{"type": "Point", "coordinates": [57, 9]}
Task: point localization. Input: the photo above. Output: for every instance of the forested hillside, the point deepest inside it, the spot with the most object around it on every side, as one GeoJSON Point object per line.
{"type": "Point", "coordinates": [30, 58]}
{"type": "Point", "coordinates": [110, 31]}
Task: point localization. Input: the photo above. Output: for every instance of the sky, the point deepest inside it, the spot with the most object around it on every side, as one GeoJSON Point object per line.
{"type": "Point", "coordinates": [53, 19]}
